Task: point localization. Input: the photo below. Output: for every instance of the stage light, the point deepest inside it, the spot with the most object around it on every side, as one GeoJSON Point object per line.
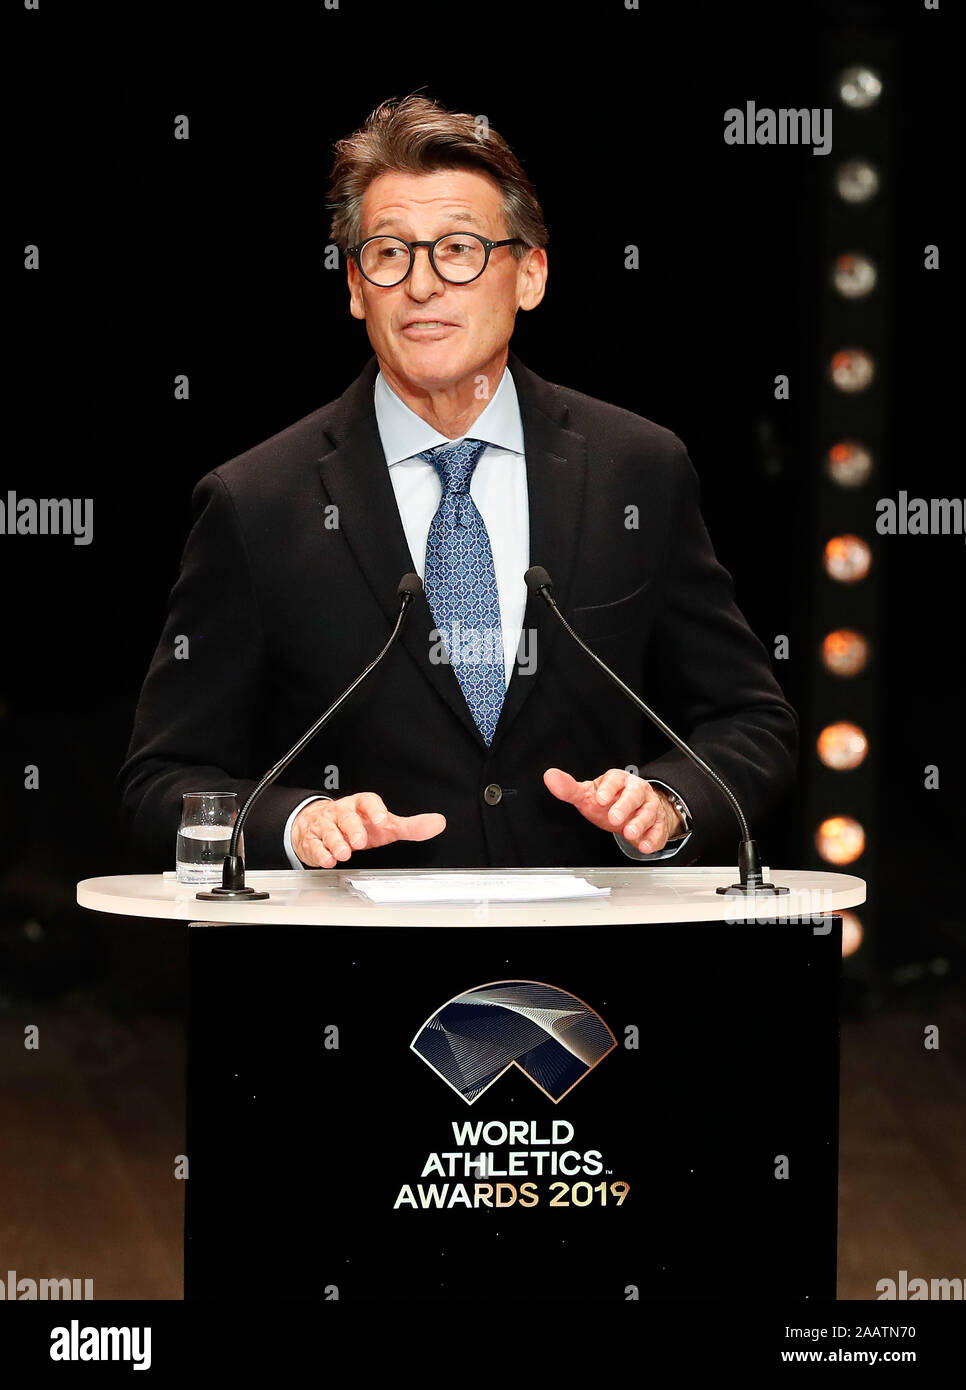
{"type": "Point", "coordinates": [840, 840]}
{"type": "Point", "coordinates": [848, 463]}
{"type": "Point", "coordinates": [851, 369]}
{"type": "Point", "coordinates": [854, 275]}
{"type": "Point", "coordinates": [859, 87]}
{"type": "Point", "coordinates": [851, 933]}
{"type": "Point", "coordinates": [847, 559]}
{"type": "Point", "coordinates": [842, 746]}
{"type": "Point", "coordinates": [856, 181]}
{"type": "Point", "coordinates": [845, 653]}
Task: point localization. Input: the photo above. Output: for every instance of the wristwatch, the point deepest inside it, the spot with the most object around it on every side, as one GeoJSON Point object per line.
{"type": "Point", "coordinates": [674, 800]}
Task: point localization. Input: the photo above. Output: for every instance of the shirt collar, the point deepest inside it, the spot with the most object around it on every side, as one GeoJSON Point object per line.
{"type": "Point", "coordinates": [404, 433]}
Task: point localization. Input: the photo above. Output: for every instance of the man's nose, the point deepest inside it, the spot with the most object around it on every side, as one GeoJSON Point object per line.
{"type": "Point", "coordinates": [423, 279]}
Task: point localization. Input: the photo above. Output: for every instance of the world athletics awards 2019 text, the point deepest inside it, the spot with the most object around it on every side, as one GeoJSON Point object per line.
{"type": "Point", "coordinates": [504, 1157]}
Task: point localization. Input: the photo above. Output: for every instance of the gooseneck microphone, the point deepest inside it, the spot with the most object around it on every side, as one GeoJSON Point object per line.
{"type": "Point", "coordinates": [233, 885]}
{"type": "Point", "coordinates": [538, 581]}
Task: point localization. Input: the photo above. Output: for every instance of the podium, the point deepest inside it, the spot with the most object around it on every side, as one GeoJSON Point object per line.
{"type": "Point", "coordinates": [629, 1097]}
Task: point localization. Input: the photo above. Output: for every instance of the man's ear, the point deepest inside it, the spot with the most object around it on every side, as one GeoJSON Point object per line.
{"type": "Point", "coordinates": [535, 282]}
{"type": "Point", "coordinates": [357, 307]}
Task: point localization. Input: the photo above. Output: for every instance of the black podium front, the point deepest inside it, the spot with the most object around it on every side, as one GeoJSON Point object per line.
{"type": "Point", "coordinates": [684, 1148]}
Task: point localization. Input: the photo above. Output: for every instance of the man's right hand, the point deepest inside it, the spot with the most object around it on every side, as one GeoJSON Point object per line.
{"type": "Point", "coordinates": [326, 832]}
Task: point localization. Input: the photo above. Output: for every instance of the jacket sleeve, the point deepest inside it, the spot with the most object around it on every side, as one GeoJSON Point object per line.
{"type": "Point", "coordinates": [198, 714]}
{"type": "Point", "coordinates": [715, 675]}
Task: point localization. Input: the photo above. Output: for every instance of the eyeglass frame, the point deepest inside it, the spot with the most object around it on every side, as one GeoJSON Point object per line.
{"type": "Point", "coordinates": [356, 253]}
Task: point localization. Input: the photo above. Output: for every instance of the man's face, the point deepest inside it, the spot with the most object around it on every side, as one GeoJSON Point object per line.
{"type": "Point", "coordinates": [477, 319]}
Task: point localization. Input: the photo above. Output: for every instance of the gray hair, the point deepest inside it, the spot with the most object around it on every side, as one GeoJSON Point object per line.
{"type": "Point", "coordinates": [415, 135]}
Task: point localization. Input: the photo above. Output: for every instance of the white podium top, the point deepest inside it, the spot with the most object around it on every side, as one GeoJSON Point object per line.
{"type": "Point", "coordinates": [322, 897]}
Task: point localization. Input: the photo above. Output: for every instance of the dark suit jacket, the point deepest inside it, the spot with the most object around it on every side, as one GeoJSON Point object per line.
{"type": "Point", "coordinates": [281, 613]}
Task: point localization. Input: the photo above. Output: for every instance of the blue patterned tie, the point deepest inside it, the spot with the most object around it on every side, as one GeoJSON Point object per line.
{"type": "Point", "coordinates": [460, 584]}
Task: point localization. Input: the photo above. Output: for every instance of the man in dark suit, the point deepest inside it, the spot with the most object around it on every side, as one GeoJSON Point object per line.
{"type": "Point", "coordinates": [486, 737]}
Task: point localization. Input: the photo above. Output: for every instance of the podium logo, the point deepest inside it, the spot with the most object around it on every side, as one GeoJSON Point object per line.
{"type": "Point", "coordinates": [552, 1036]}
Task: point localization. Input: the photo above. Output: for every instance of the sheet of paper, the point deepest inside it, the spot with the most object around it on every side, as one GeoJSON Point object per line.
{"type": "Point", "coordinates": [474, 888]}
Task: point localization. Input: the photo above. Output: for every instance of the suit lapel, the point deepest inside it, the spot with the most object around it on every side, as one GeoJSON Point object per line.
{"type": "Point", "coordinates": [356, 479]}
{"type": "Point", "coordinates": [556, 481]}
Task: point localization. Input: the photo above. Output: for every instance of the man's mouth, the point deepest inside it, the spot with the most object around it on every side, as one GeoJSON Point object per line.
{"type": "Point", "coordinates": [427, 328]}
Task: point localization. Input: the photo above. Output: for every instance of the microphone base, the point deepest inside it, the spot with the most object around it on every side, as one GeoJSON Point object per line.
{"type": "Point", "coordinates": [749, 875]}
{"type": "Point", "coordinates": [228, 895]}
{"type": "Point", "coordinates": [747, 890]}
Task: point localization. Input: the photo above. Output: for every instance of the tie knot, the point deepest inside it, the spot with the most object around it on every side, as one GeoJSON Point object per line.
{"type": "Point", "coordinates": [454, 463]}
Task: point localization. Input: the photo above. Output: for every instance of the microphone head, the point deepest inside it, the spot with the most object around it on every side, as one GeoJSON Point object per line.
{"type": "Point", "coordinates": [537, 578]}
{"type": "Point", "coordinates": [410, 584]}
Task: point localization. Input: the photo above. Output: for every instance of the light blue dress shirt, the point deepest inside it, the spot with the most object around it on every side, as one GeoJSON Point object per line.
{"type": "Point", "coordinates": [499, 489]}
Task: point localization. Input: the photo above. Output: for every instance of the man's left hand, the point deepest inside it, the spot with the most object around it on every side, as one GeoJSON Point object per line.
{"type": "Point", "coordinates": [620, 801]}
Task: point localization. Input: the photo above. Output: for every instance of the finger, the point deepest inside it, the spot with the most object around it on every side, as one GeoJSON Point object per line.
{"type": "Point", "coordinates": [656, 837]}
{"type": "Point", "coordinates": [334, 841]}
{"type": "Point", "coordinates": [610, 785]}
{"type": "Point", "coordinates": [420, 827]}
{"type": "Point", "coordinates": [311, 851]}
{"type": "Point", "coordinates": [648, 816]}
{"type": "Point", "coordinates": [372, 807]}
{"type": "Point", "coordinates": [636, 792]}
{"type": "Point", "coordinates": [561, 785]}
{"type": "Point", "coordinates": [353, 828]}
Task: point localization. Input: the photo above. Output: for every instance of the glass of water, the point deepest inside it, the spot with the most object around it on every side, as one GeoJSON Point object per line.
{"type": "Point", "coordinates": [204, 835]}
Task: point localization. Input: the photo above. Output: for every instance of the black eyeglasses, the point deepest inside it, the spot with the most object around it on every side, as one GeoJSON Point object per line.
{"type": "Point", "coordinates": [458, 257]}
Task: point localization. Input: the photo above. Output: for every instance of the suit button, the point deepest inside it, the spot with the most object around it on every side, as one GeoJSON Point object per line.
{"type": "Point", "coordinates": [493, 794]}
